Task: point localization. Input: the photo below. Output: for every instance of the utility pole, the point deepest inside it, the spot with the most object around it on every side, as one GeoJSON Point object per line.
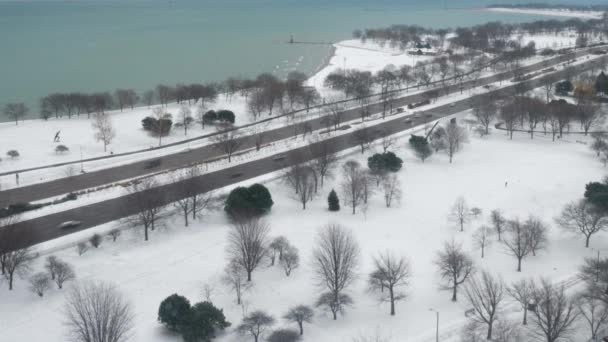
{"type": "Point", "coordinates": [437, 324]}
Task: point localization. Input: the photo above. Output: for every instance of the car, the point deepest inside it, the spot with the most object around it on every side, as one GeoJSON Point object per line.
{"type": "Point", "coordinates": [69, 224]}
{"type": "Point", "coordinates": [452, 104]}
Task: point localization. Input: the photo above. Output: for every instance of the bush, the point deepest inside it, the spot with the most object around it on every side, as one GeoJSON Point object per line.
{"type": "Point", "coordinates": [154, 125]}
{"type": "Point", "coordinates": [597, 194]}
{"type": "Point", "coordinates": [13, 154]}
{"type": "Point", "coordinates": [173, 312]}
{"type": "Point", "coordinates": [225, 116]}
{"type": "Point", "coordinates": [194, 323]}
{"type": "Point", "coordinates": [114, 233]}
{"type": "Point", "coordinates": [61, 149]}
{"type": "Point", "coordinates": [385, 162]}
{"type": "Point", "coordinates": [210, 117]}
{"type": "Point", "coordinates": [95, 240]}
{"type": "Point", "coordinates": [202, 321]}
{"type": "Point", "coordinates": [82, 248]}
{"type": "Point", "coordinates": [333, 201]}
{"type": "Point", "coordinates": [564, 87]}
{"type": "Point", "coordinates": [284, 335]}
{"type": "Point", "coordinates": [254, 200]}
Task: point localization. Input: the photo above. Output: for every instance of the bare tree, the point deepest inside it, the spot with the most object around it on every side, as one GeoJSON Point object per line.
{"type": "Point", "coordinates": [227, 141]}
{"type": "Point", "coordinates": [498, 221]}
{"type": "Point", "coordinates": [299, 314]}
{"type": "Point", "coordinates": [50, 265]}
{"type": "Point", "coordinates": [582, 217]}
{"type": "Point", "coordinates": [388, 141]}
{"type": "Point", "coordinates": [455, 137]}
{"type": "Point", "coordinates": [391, 273]}
{"type": "Point", "coordinates": [363, 137]}
{"type": "Point", "coordinates": [353, 184]}
{"type": "Point", "coordinates": [247, 242]}
{"type": "Point", "coordinates": [63, 272]}
{"type": "Point", "coordinates": [15, 262]}
{"type": "Point", "coordinates": [455, 267]}
{"type": "Point", "coordinates": [104, 130]}
{"type": "Point", "coordinates": [256, 324]}
{"type": "Point", "coordinates": [235, 277]}
{"type": "Point", "coordinates": [148, 201]}
{"type": "Point", "coordinates": [98, 312]}
{"type": "Point", "coordinates": [335, 260]}
{"type": "Point", "coordinates": [15, 111]}
{"type": "Point", "coordinates": [484, 110]}
{"type": "Point", "coordinates": [538, 234]}
{"type": "Point", "coordinates": [518, 241]}
{"type": "Point", "coordinates": [481, 238]}
{"type": "Point", "coordinates": [302, 179]}
{"type": "Point", "coordinates": [392, 189]}
{"type": "Point", "coordinates": [594, 312]}
{"type": "Point", "coordinates": [277, 246]}
{"type": "Point", "coordinates": [290, 260]}
{"type": "Point", "coordinates": [325, 161]}
{"type": "Point", "coordinates": [485, 294]}
{"type": "Point", "coordinates": [185, 118]}
{"type": "Point", "coordinates": [192, 202]}
{"type": "Point", "coordinates": [521, 292]}
{"type": "Point", "coordinates": [460, 213]}
{"type": "Point", "coordinates": [39, 283]}
{"type": "Point", "coordinates": [555, 315]}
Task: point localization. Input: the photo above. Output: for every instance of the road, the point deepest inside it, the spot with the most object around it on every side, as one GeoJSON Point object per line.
{"type": "Point", "coordinates": [136, 169]}
{"type": "Point", "coordinates": [45, 228]}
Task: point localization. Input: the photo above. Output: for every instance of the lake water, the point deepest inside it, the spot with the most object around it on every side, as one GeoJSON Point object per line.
{"type": "Point", "coordinates": [100, 45]}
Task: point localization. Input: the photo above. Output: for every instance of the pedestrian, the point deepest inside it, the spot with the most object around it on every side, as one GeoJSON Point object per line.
{"type": "Point", "coordinates": [17, 178]}
{"type": "Point", "coordinates": [506, 184]}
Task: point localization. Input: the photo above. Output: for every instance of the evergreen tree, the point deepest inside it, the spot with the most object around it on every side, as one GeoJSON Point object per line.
{"type": "Point", "coordinates": [385, 162]}
{"type": "Point", "coordinates": [254, 200]}
{"type": "Point", "coordinates": [333, 201]}
{"type": "Point", "coordinates": [601, 83]}
{"type": "Point", "coordinates": [202, 322]}
{"type": "Point", "coordinates": [421, 147]}
{"type": "Point", "coordinates": [173, 311]}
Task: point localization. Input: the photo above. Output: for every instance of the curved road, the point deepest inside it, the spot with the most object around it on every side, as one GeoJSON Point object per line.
{"type": "Point", "coordinates": [136, 169]}
{"type": "Point", "coordinates": [45, 228]}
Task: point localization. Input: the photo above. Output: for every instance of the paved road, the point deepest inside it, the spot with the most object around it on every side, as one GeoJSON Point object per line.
{"type": "Point", "coordinates": [45, 228]}
{"type": "Point", "coordinates": [115, 174]}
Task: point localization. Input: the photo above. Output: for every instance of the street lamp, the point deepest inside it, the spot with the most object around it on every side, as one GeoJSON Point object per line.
{"type": "Point", "coordinates": [437, 326]}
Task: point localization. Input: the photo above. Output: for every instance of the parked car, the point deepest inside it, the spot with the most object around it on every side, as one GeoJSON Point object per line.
{"type": "Point", "coordinates": [69, 224]}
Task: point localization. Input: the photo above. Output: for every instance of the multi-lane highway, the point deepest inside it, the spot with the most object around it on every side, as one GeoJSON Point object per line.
{"type": "Point", "coordinates": [46, 228]}
{"type": "Point", "coordinates": [131, 170]}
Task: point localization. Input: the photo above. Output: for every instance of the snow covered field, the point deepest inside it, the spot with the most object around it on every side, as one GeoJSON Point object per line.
{"type": "Point", "coordinates": [181, 260]}
{"type": "Point", "coordinates": [555, 12]}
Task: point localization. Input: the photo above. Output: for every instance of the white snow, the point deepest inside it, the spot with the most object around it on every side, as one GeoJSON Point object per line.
{"type": "Point", "coordinates": [540, 178]}
{"type": "Point", "coordinates": [555, 12]}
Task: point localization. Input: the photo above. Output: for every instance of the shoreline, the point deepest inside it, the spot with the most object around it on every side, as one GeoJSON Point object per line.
{"type": "Point", "coordinates": [550, 12]}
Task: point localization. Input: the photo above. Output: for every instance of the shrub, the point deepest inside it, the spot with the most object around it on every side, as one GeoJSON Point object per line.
{"type": "Point", "coordinates": [333, 201]}
{"type": "Point", "coordinates": [82, 248]}
{"type": "Point", "coordinates": [225, 116]}
{"type": "Point", "coordinates": [564, 87]}
{"type": "Point", "coordinates": [39, 283]}
{"type": "Point", "coordinates": [173, 312]}
{"type": "Point", "coordinates": [254, 200]}
{"type": "Point", "coordinates": [202, 321]}
{"type": "Point", "coordinates": [154, 125]}
{"type": "Point", "coordinates": [284, 335]}
{"type": "Point", "coordinates": [597, 194]}
{"type": "Point", "coordinates": [210, 117]}
{"type": "Point", "coordinates": [385, 162]}
{"type": "Point", "coordinates": [13, 154]}
{"type": "Point", "coordinates": [61, 149]}
{"type": "Point", "coordinates": [95, 240]}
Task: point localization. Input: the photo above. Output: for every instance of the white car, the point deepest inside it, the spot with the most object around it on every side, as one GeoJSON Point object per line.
{"type": "Point", "coordinates": [69, 224]}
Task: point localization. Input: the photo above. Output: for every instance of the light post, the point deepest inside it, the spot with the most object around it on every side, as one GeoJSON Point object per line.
{"type": "Point", "coordinates": [437, 325]}
{"type": "Point", "coordinates": [81, 165]}
{"type": "Point", "coordinates": [598, 261]}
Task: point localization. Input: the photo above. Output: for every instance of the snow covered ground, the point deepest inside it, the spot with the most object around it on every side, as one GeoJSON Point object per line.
{"type": "Point", "coordinates": [555, 12]}
{"type": "Point", "coordinates": [181, 260]}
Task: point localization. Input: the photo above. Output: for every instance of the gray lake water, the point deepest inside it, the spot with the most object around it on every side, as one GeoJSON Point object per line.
{"type": "Point", "coordinates": [102, 45]}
